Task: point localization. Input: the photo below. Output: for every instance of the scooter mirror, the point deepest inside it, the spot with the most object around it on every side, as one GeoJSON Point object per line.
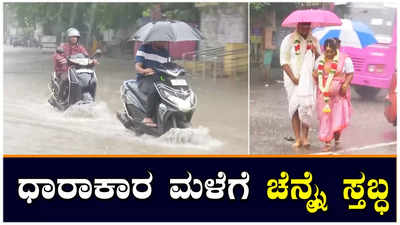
{"type": "Point", "coordinates": [60, 50]}
{"type": "Point", "coordinates": [98, 53]}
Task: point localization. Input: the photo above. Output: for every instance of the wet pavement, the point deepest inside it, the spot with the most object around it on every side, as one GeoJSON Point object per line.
{"type": "Point", "coordinates": [369, 133]}
{"type": "Point", "coordinates": [32, 126]}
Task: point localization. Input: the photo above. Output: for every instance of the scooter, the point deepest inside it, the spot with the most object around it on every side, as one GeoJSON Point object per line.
{"type": "Point", "coordinates": [81, 82]}
{"type": "Point", "coordinates": [176, 107]}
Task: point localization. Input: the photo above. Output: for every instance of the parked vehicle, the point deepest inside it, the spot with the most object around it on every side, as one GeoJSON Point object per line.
{"type": "Point", "coordinates": [391, 102]}
{"type": "Point", "coordinates": [48, 43]}
{"type": "Point", "coordinates": [19, 41]}
{"type": "Point", "coordinates": [375, 64]}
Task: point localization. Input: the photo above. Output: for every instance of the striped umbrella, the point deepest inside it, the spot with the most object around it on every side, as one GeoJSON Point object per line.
{"type": "Point", "coordinates": [351, 34]}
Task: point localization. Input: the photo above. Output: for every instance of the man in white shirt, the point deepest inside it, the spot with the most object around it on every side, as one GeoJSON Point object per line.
{"type": "Point", "coordinates": [292, 54]}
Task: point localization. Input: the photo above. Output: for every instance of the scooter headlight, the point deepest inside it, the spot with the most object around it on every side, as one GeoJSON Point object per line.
{"type": "Point", "coordinates": [183, 104]}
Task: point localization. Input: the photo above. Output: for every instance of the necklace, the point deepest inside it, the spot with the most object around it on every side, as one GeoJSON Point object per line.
{"type": "Point", "coordinates": [325, 88]}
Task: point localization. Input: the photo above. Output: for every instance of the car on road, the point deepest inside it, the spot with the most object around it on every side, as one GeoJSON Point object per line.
{"type": "Point", "coordinates": [19, 41]}
{"type": "Point", "coordinates": [48, 43]}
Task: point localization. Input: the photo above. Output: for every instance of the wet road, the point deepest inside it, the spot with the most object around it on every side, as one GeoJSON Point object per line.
{"type": "Point", "coordinates": [32, 126]}
{"type": "Point", "coordinates": [368, 133]}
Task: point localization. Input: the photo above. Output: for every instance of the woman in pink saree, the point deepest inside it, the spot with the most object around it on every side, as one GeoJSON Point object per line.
{"type": "Point", "coordinates": [333, 72]}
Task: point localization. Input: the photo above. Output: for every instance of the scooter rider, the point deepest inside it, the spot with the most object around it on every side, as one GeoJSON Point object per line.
{"type": "Point", "coordinates": [60, 58]}
{"type": "Point", "coordinates": [148, 56]}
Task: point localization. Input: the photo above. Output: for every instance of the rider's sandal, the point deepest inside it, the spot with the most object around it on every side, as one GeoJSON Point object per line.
{"type": "Point", "coordinates": [149, 124]}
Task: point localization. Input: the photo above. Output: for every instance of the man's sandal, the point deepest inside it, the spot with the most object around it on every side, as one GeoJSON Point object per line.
{"type": "Point", "coordinates": [149, 124]}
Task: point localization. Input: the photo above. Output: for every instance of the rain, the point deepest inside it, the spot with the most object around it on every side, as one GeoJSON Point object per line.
{"type": "Point", "coordinates": [371, 131]}
{"type": "Point", "coordinates": [33, 126]}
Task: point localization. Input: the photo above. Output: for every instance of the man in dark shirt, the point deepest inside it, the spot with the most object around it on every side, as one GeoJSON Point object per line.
{"type": "Point", "coordinates": [148, 56]}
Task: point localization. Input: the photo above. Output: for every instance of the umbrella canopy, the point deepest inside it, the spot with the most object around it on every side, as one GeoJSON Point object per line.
{"type": "Point", "coordinates": [316, 17]}
{"type": "Point", "coordinates": [351, 34]}
{"type": "Point", "coordinates": [167, 31]}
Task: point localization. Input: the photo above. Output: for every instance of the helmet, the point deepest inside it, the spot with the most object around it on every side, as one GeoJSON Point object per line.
{"type": "Point", "coordinates": [73, 32]}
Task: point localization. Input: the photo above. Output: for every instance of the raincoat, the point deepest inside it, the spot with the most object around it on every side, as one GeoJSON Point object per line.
{"type": "Point", "coordinates": [68, 51]}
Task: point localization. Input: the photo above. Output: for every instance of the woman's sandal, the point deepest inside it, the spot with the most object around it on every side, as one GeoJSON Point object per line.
{"type": "Point", "coordinates": [327, 147]}
{"type": "Point", "coordinates": [306, 144]}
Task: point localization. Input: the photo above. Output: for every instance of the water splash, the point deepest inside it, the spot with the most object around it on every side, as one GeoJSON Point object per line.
{"type": "Point", "coordinates": [198, 138]}
{"type": "Point", "coordinates": [90, 110]}
{"type": "Point", "coordinates": [97, 121]}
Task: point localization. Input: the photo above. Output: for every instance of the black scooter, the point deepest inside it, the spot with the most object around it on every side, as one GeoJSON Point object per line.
{"type": "Point", "coordinates": [175, 110]}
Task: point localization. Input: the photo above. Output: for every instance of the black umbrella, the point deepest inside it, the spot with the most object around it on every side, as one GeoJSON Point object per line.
{"type": "Point", "coordinates": [171, 30]}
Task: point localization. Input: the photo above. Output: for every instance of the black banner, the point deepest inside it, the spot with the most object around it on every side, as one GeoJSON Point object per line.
{"type": "Point", "coordinates": [221, 189]}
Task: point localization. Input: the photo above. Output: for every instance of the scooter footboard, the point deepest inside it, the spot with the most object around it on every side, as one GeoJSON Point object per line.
{"type": "Point", "coordinates": [134, 113]}
{"type": "Point", "coordinates": [128, 98]}
{"type": "Point", "coordinates": [93, 86]}
{"type": "Point", "coordinates": [75, 93]}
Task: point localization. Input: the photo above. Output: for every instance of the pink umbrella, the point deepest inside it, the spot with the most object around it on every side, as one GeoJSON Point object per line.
{"type": "Point", "coordinates": [316, 17]}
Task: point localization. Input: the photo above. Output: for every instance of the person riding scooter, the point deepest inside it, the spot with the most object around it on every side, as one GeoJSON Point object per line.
{"type": "Point", "coordinates": [148, 56]}
{"type": "Point", "coordinates": [60, 59]}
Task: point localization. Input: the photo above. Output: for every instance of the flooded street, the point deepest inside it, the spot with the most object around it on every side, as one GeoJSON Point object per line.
{"type": "Point", "coordinates": [32, 126]}
{"type": "Point", "coordinates": [368, 133]}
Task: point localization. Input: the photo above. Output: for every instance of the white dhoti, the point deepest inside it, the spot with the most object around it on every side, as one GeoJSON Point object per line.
{"type": "Point", "coordinates": [301, 97]}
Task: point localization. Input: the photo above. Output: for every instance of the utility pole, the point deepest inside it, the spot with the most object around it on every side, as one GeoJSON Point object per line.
{"type": "Point", "coordinates": [5, 23]}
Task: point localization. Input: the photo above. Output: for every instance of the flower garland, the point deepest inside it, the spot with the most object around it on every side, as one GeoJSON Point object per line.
{"type": "Point", "coordinates": [309, 44]}
{"type": "Point", "coordinates": [297, 47]}
{"type": "Point", "coordinates": [325, 89]}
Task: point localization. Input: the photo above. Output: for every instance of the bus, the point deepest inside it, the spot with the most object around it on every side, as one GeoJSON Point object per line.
{"type": "Point", "coordinates": [374, 65]}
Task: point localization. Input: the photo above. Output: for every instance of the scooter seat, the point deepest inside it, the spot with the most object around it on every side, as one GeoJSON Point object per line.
{"type": "Point", "coordinates": [134, 88]}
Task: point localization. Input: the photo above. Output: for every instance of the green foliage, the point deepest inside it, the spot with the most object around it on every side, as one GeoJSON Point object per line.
{"type": "Point", "coordinates": [119, 15]}
{"type": "Point", "coordinates": [146, 12]}
{"type": "Point", "coordinates": [102, 15]}
{"type": "Point", "coordinates": [181, 11]}
{"type": "Point", "coordinates": [106, 15]}
{"type": "Point", "coordinates": [258, 7]}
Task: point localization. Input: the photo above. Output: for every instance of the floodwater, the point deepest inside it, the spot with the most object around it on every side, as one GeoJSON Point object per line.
{"type": "Point", "coordinates": [32, 126]}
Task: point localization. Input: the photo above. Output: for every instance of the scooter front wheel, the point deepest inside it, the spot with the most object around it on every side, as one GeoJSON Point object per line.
{"type": "Point", "coordinates": [171, 123]}
{"type": "Point", "coordinates": [185, 125]}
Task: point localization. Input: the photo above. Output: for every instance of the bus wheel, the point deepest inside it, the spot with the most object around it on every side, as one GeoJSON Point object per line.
{"type": "Point", "coordinates": [366, 92]}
